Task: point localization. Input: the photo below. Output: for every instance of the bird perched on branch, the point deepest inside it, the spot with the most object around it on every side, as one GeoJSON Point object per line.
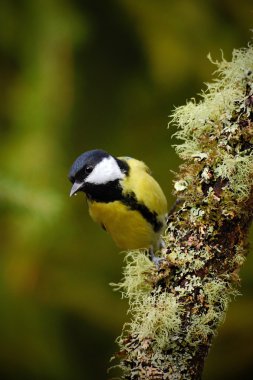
{"type": "Point", "coordinates": [122, 197]}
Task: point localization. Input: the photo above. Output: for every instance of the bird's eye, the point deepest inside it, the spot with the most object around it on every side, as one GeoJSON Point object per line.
{"type": "Point", "coordinates": [88, 169]}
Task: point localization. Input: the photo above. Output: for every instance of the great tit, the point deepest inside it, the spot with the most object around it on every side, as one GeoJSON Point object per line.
{"type": "Point", "coordinates": [122, 197]}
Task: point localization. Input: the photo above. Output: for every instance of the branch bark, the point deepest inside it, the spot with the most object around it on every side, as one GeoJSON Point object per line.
{"type": "Point", "coordinates": [175, 312]}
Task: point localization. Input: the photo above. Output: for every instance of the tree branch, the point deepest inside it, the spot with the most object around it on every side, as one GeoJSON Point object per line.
{"type": "Point", "coordinates": [175, 312]}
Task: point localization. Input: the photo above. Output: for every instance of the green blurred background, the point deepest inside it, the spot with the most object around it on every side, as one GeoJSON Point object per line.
{"type": "Point", "coordinates": [77, 75]}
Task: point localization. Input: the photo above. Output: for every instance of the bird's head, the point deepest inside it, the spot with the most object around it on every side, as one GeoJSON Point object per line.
{"type": "Point", "coordinates": [95, 168]}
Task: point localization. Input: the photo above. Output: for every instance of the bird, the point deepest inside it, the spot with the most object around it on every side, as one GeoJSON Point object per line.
{"type": "Point", "coordinates": [123, 198]}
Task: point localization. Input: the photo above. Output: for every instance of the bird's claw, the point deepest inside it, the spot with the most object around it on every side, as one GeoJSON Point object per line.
{"type": "Point", "coordinates": [155, 259]}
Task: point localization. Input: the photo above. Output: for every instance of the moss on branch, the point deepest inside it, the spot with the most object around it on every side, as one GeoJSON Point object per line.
{"type": "Point", "coordinates": [175, 312]}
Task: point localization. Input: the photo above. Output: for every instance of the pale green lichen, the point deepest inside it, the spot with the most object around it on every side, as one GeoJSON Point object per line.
{"type": "Point", "coordinates": [218, 104]}
{"type": "Point", "coordinates": [135, 275]}
{"type": "Point", "coordinates": [180, 185]}
{"type": "Point", "coordinates": [156, 317]}
{"type": "Point", "coordinates": [175, 311]}
{"type": "Point", "coordinates": [187, 258]}
{"type": "Point", "coordinates": [219, 291]}
{"type": "Point", "coordinates": [239, 171]}
{"type": "Point", "coordinates": [156, 313]}
{"type": "Point", "coordinates": [217, 294]}
{"type": "Point", "coordinates": [213, 116]}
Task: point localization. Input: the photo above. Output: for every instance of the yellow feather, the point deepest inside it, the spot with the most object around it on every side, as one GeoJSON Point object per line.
{"type": "Point", "coordinates": [144, 186]}
{"type": "Point", "coordinates": [128, 228]}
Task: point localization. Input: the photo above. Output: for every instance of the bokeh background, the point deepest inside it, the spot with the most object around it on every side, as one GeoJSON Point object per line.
{"type": "Point", "coordinates": [77, 75]}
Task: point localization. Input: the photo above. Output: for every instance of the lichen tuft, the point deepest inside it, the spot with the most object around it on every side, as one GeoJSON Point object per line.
{"type": "Point", "coordinates": [175, 311]}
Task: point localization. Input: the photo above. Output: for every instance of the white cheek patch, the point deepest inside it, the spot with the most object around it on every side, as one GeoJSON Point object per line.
{"type": "Point", "coordinates": [105, 171]}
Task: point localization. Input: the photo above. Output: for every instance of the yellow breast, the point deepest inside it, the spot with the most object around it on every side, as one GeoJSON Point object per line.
{"type": "Point", "coordinates": [129, 224]}
{"type": "Point", "coordinates": [128, 228]}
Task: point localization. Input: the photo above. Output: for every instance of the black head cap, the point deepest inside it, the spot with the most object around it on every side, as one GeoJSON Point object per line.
{"type": "Point", "coordinates": [85, 163]}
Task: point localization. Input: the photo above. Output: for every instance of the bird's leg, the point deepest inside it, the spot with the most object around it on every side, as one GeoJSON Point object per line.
{"type": "Point", "coordinates": [162, 244]}
{"type": "Point", "coordinates": [155, 259]}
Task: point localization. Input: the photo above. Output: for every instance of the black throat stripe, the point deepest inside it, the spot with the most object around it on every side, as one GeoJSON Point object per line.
{"type": "Point", "coordinates": [151, 217]}
{"type": "Point", "coordinates": [105, 193]}
{"type": "Point", "coordinates": [112, 191]}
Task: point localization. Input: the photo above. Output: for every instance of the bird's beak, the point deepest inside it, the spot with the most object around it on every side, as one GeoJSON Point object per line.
{"type": "Point", "coordinates": [75, 188]}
